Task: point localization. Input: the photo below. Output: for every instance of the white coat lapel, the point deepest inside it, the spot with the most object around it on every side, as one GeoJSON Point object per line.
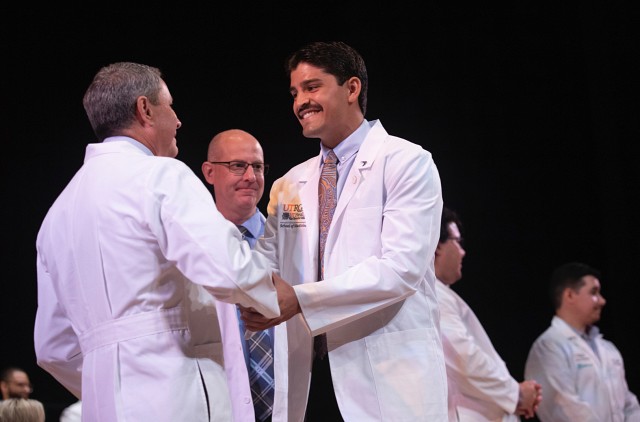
{"type": "Point", "coordinates": [308, 192]}
{"type": "Point", "coordinates": [363, 162]}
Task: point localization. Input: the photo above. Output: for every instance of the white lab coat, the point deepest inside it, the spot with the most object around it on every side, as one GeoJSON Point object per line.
{"type": "Point", "coordinates": [480, 386]}
{"type": "Point", "coordinates": [377, 302]}
{"type": "Point", "coordinates": [72, 413]}
{"type": "Point", "coordinates": [577, 385]}
{"type": "Point", "coordinates": [128, 258]}
{"type": "Point", "coordinates": [235, 366]}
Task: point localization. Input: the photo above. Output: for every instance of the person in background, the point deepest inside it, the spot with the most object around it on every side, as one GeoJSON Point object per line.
{"type": "Point", "coordinates": [235, 168]}
{"type": "Point", "coordinates": [480, 385]}
{"type": "Point", "coordinates": [21, 410]}
{"type": "Point", "coordinates": [72, 413]}
{"type": "Point", "coordinates": [581, 373]}
{"type": "Point", "coordinates": [15, 383]}
{"type": "Point", "coordinates": [129, 259]}
{"type": "Point", "coordinates": [349, 229]}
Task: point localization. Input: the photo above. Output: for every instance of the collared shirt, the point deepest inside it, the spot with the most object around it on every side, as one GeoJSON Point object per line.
{"type": "Point", "coordinates": [590, 335]}
{"type": "Point", "coordinates": [255, 226]}
{"type": "Point", "coordinates": [346, 152]}
{"type": "Point", "coordinates": [132, 141]}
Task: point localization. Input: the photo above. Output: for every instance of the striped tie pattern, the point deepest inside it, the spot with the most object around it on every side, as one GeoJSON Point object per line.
{"type": "Point", "coordinates": [327, 200]}
{"type": "Point", "coordinates": [260, 365]}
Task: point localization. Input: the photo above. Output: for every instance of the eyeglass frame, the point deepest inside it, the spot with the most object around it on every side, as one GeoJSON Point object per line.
{"type": "Point", "coordinates": [264, 171]}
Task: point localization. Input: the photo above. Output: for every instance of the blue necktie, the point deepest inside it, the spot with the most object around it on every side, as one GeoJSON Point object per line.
{"type": "Point", "coordinates": [260, 365]}
{"type": "Point", "coordinates": [327, 200]}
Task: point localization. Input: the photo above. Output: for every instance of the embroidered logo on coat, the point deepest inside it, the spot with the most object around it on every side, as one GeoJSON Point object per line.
{"type": "Point", "coordinates": [292, 216]}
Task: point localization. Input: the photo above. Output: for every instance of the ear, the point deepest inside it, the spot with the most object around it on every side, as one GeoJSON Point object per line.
{"type": "Point", "coordinates": [207, 172]}
{"type": "Point", "coordinates": [439, 249]}
{"type": "Point", "coordinates": [567, 295]}
{"type": "Point", "coordinates": [144, 114]}
{"type": "Point", "coordinates": [354, 85]}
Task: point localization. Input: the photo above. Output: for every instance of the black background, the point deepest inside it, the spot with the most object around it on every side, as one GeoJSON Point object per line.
{"type": "Point", "coordinates": [530, 111]}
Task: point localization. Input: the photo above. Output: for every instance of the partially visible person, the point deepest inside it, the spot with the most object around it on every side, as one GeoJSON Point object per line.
{"type": "Point", "coordinates": [129, 258]}
{"type": "Point", "coordinates": [14, 383]}
{"type": "Point", "coordinates": [350, 229]}
{"type": "Point", "coordinates": [21, 410]}
{"type": "Point", "coordinates": [581, 373]}
{"type": "Point", "coordinates": [235, 169]}
{"type": "Point", "coordinates": [480, 385]}
{"type": "Point", "coordinates": [72, 413]}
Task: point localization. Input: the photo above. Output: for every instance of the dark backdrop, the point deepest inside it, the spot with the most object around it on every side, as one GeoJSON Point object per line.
{"type": "Point", "coordinates": [530, 111]}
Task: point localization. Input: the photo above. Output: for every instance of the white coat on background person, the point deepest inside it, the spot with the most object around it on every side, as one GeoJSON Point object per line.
{"type": "Point", "coordinates": [481, 389]}
{"type": "Point", "coordinates": [577, 384]}
{"type": "Point", "coordinates": [237, 195]}
{"type": "Point", "coordinates": [489, 392]}
{"type": "Point", "coordinates": [377, 302]}
{"type": "Point", "coordinates": [72, 413]}
{"type": "Point", "coordinates": [129, 256]}
{"type": "Point", "coordinates": [582, 374]}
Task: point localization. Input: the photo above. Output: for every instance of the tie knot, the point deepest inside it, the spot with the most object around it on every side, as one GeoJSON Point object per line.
{"type": "Point", "coordinates": [244, 231]}
{"type": "Point", "coordinates": [331, 158]}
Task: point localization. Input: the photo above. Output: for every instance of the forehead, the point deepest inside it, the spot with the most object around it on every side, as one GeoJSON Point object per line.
{"type": "Point", "coordinates": [590, 282]}
{"type": "Point", "coordinates": [453, 230]}
{"type": "Point", "coordinates": [164, 94]}
{"type": "Point", "coordinates": [237, 147]}
{"type": "Point", "coordinates": [18, 376]}
{"type": "Point", "coordinates": [306, 72]}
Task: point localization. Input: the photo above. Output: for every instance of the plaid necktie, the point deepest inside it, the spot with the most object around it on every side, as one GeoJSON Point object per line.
{"type": "Point", "coordinates": [260, 365]}
{"type": "Point", "coordinates": [327, 199]}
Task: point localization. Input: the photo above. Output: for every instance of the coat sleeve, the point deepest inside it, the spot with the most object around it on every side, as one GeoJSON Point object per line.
{"type": "Point", "coordinates": [378, 258]}
{"type": "Point", "coordinates": [476, 372]}
{"type": "Point", "coordinates": [205, 246]}
{"type": "Point", "coordinates": [56, 345]}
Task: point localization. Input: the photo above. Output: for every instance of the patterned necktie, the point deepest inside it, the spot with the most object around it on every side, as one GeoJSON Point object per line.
{"type": "Point", "coordinates": [327, 199]}
{"type": "Point", "coordinates": [260, 365]}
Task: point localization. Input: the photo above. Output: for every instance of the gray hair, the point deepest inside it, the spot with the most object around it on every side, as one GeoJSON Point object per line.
{"type": "Point", "coordinates": [110, 100]}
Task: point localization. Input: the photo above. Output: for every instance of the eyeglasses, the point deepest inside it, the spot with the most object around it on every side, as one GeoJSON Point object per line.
{"type": "Point", "coordinates": [240, 167]}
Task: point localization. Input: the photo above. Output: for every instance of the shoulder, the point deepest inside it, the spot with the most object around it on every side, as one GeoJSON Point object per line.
{"type": "Point", "coordinates": [395, 145]}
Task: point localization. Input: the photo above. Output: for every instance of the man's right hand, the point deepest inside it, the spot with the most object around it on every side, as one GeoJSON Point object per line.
{"type": "Point", "coordinates": [287, 300]}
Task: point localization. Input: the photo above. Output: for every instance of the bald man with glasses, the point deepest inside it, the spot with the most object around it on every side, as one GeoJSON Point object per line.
{"type": "Point", "coordinates": [237, 189]}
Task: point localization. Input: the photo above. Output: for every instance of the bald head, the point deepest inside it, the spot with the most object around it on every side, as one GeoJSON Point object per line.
{"type": "Point", "coordinates": [222, 140]}
{"type": "Point", "coordinates": [236, 195]}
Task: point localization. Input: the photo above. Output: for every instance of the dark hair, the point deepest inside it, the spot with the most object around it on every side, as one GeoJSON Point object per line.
{"type": "Point", "coordinates": [7, 373]}
{"type": "Point", "coordinates": [448, 217]}
{"type": "Point", "coordinates": [568, 275]}
{"type": "Point", "coordinates": [337, 59]}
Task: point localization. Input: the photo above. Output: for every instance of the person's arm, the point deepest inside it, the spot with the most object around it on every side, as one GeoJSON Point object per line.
{"type": "Point", "coordinates": [477, 373]}
{"type": "Point", "coordinates": [619, 387]}
{"type": "Point", "coordinates": [631, 407]}
{"type": "Point", "coordinates": [387, 243]}
{"type": "Point", "coordinates": [392, 265]}
{"type": "Point", "coordinates": [205, 246]}
{"type": "Point", "coordinates": [549, 363]}
{"type": "Point", "coordinates": [56, 345]}
{"type": "Point", "coordinates": [287, 300]}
